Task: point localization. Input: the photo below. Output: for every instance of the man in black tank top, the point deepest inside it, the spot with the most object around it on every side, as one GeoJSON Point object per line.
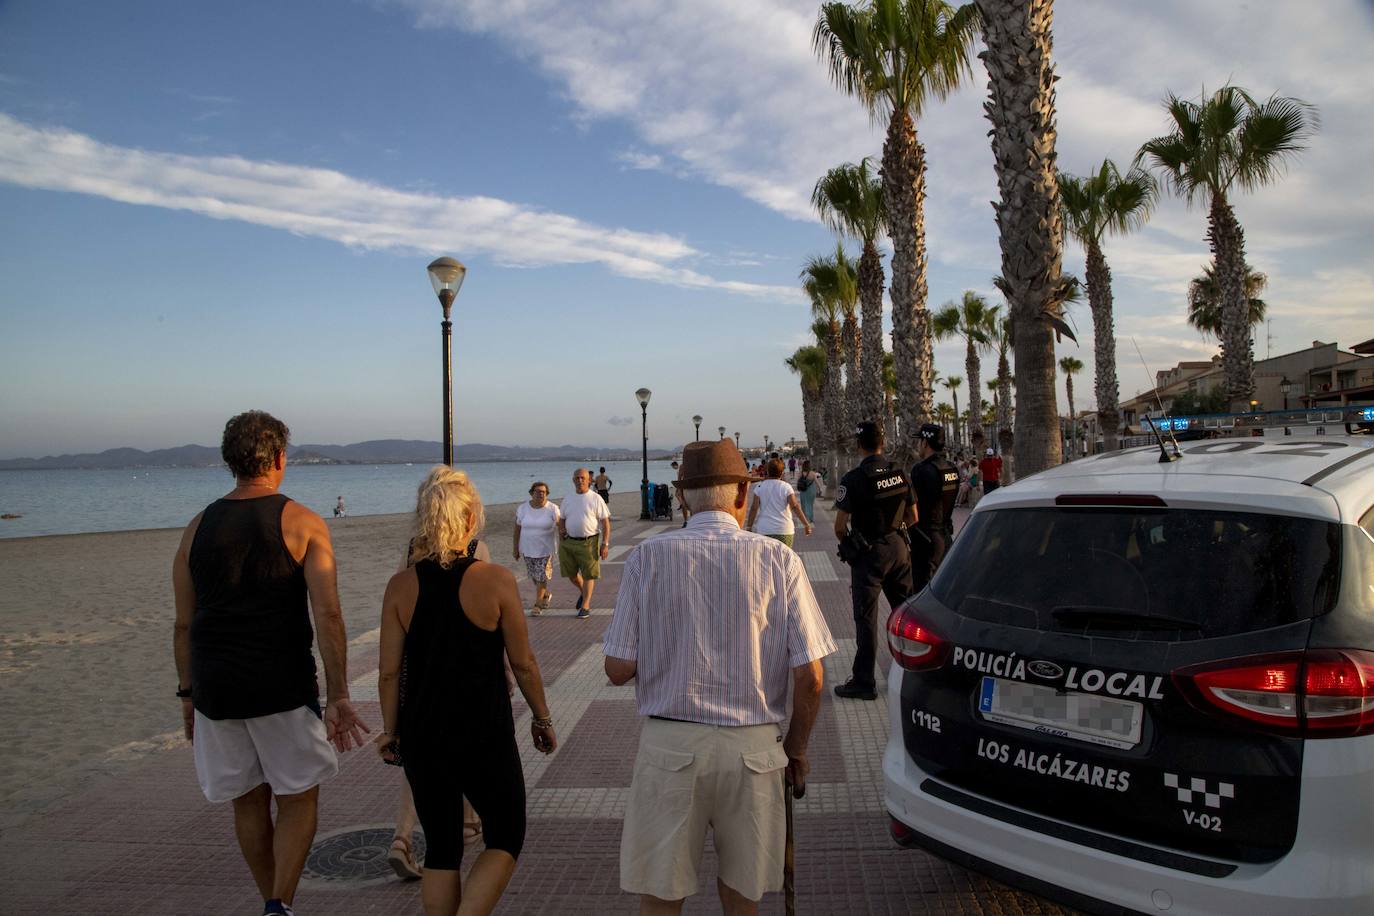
{"type": "Point", "coordinates": [245, 673]}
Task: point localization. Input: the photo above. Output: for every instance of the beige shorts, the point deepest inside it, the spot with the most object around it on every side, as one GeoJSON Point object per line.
{"type": "Point", "coordinates": [286, 750]}
{"type": "Point", "coordinates": [690, 777]}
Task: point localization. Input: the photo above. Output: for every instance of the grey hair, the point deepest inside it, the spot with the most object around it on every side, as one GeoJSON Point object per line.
{"type": "Point", "coordinates": [704, 499]}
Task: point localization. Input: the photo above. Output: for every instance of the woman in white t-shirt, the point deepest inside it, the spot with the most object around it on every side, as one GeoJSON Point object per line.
{"type": "Point", "coordinates": [536, 537]}
{"type": "Point", "coordinates": [773, 504]}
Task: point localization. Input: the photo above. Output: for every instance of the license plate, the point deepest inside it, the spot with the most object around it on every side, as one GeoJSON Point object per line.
{"type": "Point", "coordinates": [1080, 716]}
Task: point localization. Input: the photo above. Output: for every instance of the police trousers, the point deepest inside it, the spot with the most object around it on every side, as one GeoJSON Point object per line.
{"type": "Point", "coordinates": [885, 569]}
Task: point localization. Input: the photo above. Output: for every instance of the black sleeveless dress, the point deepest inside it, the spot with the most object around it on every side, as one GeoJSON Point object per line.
{"type": "Point", "coordinates": [456, 728]}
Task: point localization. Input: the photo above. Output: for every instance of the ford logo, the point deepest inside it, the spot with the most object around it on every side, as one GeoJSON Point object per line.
{"type": "Point", "coordinates": [1047, 670]}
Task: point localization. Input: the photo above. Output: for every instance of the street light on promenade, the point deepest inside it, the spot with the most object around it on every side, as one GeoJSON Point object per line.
{"type": "Point", "coordinates": [1289, 388]}
{"type": "Point", "coordinates": [721, 430]}
{"type": "Point", "coordinates": [643, 395]}
{"type": "Point", "coordinates": [767, 445]}
{"type": "Point", "coordinates": [736, 438]}
{"type": "Point", "coordinates": [446, 275]}
{"type": "Point", "coordinates": [696, 421]}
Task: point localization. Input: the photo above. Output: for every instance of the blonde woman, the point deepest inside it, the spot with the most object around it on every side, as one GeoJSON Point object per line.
{"type": "Point", "coordinates": [448, 620]}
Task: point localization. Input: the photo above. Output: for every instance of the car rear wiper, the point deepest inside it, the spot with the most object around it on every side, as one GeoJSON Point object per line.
{"type": "Point", "coordinates": [1120, 619]}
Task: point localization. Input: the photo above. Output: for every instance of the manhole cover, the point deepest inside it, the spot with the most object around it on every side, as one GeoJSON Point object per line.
{"type": "Point", "coordinates": [355, 855]}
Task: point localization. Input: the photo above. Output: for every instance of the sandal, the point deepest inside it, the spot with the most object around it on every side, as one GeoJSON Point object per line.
{"type": "Point", "coordinates": [401, 860]}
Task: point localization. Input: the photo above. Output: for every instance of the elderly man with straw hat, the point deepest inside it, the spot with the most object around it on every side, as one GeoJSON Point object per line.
{"type": "Point", "coordinates": [714, 623]}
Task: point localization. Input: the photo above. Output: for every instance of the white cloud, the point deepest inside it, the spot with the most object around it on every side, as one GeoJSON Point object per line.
{"type": "Point", "coordinates": [331, 205]}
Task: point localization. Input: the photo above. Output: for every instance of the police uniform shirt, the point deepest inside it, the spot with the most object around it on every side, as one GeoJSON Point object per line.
{"type": "Point", "coordinates": [876, 496]}
{"type": "Point", "coordinates": [936, 483]}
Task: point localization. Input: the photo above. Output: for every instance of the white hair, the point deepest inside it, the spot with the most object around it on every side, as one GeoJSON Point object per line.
{"type": "Point", "coordinates": [703, 499]}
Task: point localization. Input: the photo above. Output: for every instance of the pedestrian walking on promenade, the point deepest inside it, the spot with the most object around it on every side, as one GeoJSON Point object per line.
{"type": "Point", "coordinates": [713, 623]}
{"type": "Point", "coordinates": [603, 486]}
{"type": "Point", "coordinates": [991, 470]}
{"type": "Point", "coordinates": [773, 504]}
{"type": "Point", "coordinates": [449, 622]}
{"type": "Point", "coordinates": [808, 482]}
{"type": "Point", "coordinates": [584, 534]}
{"type": "Point", "coordinates": [246, 676]}
{"type": "Point", "coordinates": [536, 538]}
{"type": "Point", "coordinates": [871, 508]}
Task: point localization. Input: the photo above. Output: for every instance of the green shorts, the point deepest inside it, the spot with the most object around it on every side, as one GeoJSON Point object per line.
{"type": "Point", "coordinates": [580, 557]}
{"type": "Point", "coordinates": [785, 538]}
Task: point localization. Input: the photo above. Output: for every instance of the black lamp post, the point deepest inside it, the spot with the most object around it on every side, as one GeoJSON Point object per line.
{"type": "Point", "coordinates": [446, 275]}
{"type": "Point", "coordinates": [767, 446]}
{"type": "Point", "coordinates": [1289, 388]}
{"type": "Point", "coordinates": [721, 430]}
{"type": "Point", "coordinates": [696, 421]}
{"type": "Point", "coordinates": [643, 395]}
{"type": "Point", "coordinates": [736, 438]}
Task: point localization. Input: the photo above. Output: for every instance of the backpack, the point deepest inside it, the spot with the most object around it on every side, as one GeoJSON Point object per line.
{"type": "Point", "coordinates": [804, 484]}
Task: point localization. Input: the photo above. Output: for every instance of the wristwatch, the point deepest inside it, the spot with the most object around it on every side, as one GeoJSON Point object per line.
{"type": "Point", "coordinates": [183, 692]}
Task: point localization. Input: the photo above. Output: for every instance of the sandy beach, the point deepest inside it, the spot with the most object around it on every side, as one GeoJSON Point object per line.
{"type": "Point", "coordinates": [86, 671]}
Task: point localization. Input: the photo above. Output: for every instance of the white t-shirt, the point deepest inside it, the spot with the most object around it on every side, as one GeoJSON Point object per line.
{"type": "Point", "coordinates": [538, 529]}
{"type": "Point", "coordinates": [583, 513]}
{"type": "Point", "coordinates": [774, 517]}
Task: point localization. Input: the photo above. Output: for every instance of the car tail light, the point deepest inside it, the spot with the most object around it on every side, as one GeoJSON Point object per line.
{"type": "Point", "coordinates": [913, 644]}
{"type": "Point", "coordinates": [1320, 693]}
{"type": "Point", "coordinates": [901, 833]}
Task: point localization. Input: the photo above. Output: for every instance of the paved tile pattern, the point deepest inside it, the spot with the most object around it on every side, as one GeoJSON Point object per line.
{"type": "Point", "coordinates": [148, 835]}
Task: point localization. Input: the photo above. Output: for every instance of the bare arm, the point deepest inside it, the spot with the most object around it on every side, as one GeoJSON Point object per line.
{"type": "Point", "coordinates": [841, 524]}
{"type": "Point", "coordinates": [807, 681]}
{"type": "Point", "coordinates": [184, 595]}
{"type": "Point", "coordinates": [753, 512]}
{"type": "Point", "coordinates": [620, 670]}
{"type": "Point", "coordinates": [911, 515]}
{"type": "Point", "coordinates": [392, 654]}
{"type": "Point", "coordinates": [796, 508]}
{"type": "Point", "coordinates": [605, 535]}
{"type": "Point", "coordinates": [515, 542]}
{"type": "Point", "coordinates": [518, 651]}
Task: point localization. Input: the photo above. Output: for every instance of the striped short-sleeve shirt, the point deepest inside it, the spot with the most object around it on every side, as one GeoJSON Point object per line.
{"type": "Point", "coordinates": [715, 618]}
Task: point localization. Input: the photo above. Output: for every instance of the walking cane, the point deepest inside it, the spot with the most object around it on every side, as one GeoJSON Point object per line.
{"type": "Point", "coordinates": [789, 890]}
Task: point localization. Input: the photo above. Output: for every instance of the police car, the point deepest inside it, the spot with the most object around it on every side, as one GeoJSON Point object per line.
{"type": "Point", "coordinates": [1147, 685]}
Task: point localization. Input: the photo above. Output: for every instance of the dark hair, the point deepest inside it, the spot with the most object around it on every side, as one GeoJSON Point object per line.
{"type": "Point", "coordinates": [252, 440]}
{"type": "Point", "coordinates": [539, 483]}
{"type": "Point", "coordinates": [870, 436]}
{"type": "Point", "coordinates": [775, 467]}
{"type": "Point", "coordinates": [603, 470]}
{"type": "Point", "coordinates": [806, 464]}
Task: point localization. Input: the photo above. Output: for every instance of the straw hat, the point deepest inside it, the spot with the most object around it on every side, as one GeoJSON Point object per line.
{"type": "Point", "coordinates": [709, 464]}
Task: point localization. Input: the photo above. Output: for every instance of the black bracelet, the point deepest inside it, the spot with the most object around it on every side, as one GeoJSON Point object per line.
{"type": "Point", "coordinates": [183, 692]}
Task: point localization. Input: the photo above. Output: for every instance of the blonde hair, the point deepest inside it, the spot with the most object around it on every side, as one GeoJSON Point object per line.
{"type": "Point", "coordinates": [448, 515]}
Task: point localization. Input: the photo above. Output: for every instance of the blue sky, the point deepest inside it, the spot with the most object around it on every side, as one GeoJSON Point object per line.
{"type": "Point", "coordinates": [211, 207]}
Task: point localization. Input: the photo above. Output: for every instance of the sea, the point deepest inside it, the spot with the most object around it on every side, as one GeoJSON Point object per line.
{"type": "Point", "coordinates": [79, 501]}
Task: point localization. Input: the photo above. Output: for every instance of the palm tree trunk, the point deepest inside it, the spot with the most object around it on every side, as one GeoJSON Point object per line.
{"type": "Point", "coordinates": [954, 393]}
{"type": "Point", "coordinates": [1021, 108]}
{"type": "Point", "coordinates": [1237, 354]}
{"type": "Point", "coordinates": [1073, 418]}
{"type": "Point", "coordinates": [973, 369]}
{"type": "Point", "coordinates": [834, 406]}
{"type": "Point", "coordinates": [811, 418]}
{"type": "Point", "coordinates": [904, 191]}
{"type": "Point", "coordinates": [870, 389]}
{"type": "Point", "coordinates": [1099, 277]}
{"type": "Point", "coordinates": [1005, 438]}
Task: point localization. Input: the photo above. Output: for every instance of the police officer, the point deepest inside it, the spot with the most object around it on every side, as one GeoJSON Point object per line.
{"type": "Point", "coordinates": [936, 484]}
{"type": "Point", "coordinates": [873, 505]}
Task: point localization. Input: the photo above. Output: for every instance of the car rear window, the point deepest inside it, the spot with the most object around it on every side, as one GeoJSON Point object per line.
{"type": "Point", "coordinates": [1217, 573]}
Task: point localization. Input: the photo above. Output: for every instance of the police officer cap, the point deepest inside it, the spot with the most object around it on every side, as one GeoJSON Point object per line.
{"type": "Point", "coordinates": [932, 433]}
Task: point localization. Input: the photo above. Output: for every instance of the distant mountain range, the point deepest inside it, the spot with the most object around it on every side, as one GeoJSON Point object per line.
{"type": "Point", "coordinates": [376, 451]}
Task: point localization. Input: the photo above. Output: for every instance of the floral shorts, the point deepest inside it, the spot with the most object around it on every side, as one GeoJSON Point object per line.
{"type": "Point", "coordinates": [540, 569]}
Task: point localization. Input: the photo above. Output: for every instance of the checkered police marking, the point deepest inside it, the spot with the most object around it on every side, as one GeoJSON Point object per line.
{"type": "Point", "coordinates": [1199, 787]}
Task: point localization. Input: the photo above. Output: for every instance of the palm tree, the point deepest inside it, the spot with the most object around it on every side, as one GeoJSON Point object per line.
{"type": "Point", "coordinates": [1106, 202]}
{"type": "Point", "coordinates": [809, 364]}
{"type": "Point", "coordinates": [895, 56]}
{"type": "Point", "coordinates": [951, 384]}
{"type": "Point", "coordinates": [1021, 108]}
{"type": "Point", "coordinates": [849, 199]}
{"type": "Point", "coordinates": [1204, 301]}
{"type": "Point", "coordinates": [974, 320]}
{"type": "Point", "coordinates": [1071, 366]}
{"type": "Point", "coordinates": [1005, 433]}
{"type": "Point", "coordinates": [1227, 141]}
{"type": "Point", "coordinates": [946, 416]}
{"type": "Point", "coordinates": [889, 393]}
{"type": "Point", "coordinates": [830, 282]}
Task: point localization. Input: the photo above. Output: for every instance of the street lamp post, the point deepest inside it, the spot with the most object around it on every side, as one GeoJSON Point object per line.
{"type": "Point", "coordinates": [721, 430]}
{"type": "Point", "coordinates": [643, 395]}
{"type": "Point", "coordinates": [736, 438]}
{"type": "Point", "coordinates": [767, 446]}
{"type": "Point", "coordinates": [446, 275]}
{"type": "Point", "coordinates": [696, 421]}
{"type": "Point", "coordinates": [1289, 388]}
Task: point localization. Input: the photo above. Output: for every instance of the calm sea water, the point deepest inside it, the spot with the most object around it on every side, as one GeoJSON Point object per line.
{"type": "Point", "coordinates": [70, 502]}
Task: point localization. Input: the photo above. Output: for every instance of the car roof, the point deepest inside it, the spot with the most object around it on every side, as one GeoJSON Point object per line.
{"type": "Point", "coordinates": [1329, 477]}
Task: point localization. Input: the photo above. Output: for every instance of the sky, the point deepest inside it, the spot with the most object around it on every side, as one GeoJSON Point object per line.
{"type": "Point", "coordinates": [206, 208]}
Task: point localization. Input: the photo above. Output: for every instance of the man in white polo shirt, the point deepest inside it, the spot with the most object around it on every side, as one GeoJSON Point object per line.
{"type": "Point", "coordinates": [584, 534]}
{"type": "Point", "coordinates": [714, 623]}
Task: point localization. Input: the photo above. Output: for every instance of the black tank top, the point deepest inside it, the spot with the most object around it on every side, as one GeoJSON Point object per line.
{"type": "Point", "coordinates": [251, 633]}
{"type": "Point", "coordinates": [454, 671]}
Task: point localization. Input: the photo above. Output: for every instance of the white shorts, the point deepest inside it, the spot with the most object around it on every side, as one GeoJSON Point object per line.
{"type": "Point", "coordinates": [689, 777]}
{"type": "Point", "coordinates": [286, 750]}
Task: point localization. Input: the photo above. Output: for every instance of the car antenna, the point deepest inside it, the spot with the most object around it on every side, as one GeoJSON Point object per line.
{"type": "Point", "coordinates": [1164, 456]}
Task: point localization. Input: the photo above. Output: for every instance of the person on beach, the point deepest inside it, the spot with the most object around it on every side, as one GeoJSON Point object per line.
{"type": "Point", "coordinates": [713, 623]}
{"type": "Point", "coordinates": [773, 504]}
{"type": "Point", "coordinates": [603, 486]}
{"type": "Point", "coordinates": [449, 622]}
{"type": "Point", "coordinates": [246, 676]}
{"type": "Point", "coordinates": [339, 510]}
{"type": "Point", "coordinates": [584, 534]}
{"type": "Point", "coordinates": [536, 538]}
{"type": "Point", "coordinates": [808, 482]}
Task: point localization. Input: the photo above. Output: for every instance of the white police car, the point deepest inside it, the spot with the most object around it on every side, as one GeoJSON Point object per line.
{"type": "Point", "coordinates": [1140, 686]}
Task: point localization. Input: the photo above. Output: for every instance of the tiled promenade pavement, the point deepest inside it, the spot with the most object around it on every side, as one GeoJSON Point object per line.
{"type": "Point", "coordinates": [148, 842]}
